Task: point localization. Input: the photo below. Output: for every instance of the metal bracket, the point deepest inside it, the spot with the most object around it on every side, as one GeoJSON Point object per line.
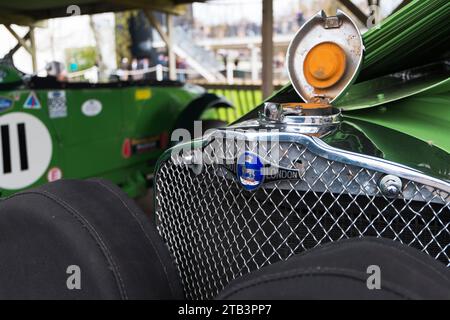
{"type": "Point", "coordinates": [332, 22]}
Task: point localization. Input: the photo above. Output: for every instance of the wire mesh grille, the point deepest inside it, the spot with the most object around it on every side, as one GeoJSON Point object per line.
{"type": "Point", "coordinates": [217, 231]}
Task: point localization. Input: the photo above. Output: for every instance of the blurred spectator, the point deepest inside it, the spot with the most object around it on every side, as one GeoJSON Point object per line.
{"type": "Point", "coordinates": [181, 67]}
{"type": "Point", "coordinates": [300, 19]}
{"type": "Point", "coordinates": [56, 69]}
{"type": "Point", "coordinates": [284, 25]}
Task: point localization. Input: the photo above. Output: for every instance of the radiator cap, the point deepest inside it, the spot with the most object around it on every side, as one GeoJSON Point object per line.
{"type": "Point", "coordinates": [324, 57]}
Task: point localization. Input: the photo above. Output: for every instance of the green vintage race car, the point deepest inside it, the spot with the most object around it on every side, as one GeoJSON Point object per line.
{"type": "Point", "coordinates": [52, 129]}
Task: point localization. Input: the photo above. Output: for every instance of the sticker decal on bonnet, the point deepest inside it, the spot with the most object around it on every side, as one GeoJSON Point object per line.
{"type": "Point", "coordinates": [5, 104]}
{"type": "Point", "coordinates": [32, 102]}
{"type": "Point", "coordinates": [57, 104]}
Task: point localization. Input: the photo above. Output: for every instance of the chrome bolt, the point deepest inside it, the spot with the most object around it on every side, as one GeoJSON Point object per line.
{"type": "Point", "coordinates": [273, 111]}
{"type": "Point", "coordinates": [196, 168]}
{"type": "Point", "coordinates": [391, 186]}
{"type": "Point", "coordinates": [193, 162]}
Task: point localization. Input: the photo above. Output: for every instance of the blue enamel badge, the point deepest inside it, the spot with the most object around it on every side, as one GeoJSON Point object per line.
{"type": "Point", "coordinates": [5, 104]}
{"type": "Point", "coordinates": [249, 171]}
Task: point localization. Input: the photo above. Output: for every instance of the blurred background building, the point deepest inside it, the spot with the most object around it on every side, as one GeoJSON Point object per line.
{"type": "Point", "coordinates": [218, 41]}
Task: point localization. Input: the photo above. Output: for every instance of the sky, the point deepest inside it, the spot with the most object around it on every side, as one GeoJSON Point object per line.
{"type": "Point", "coordinates": [235, 10]}
{"type": "Point", "coordinates": [230, 11]}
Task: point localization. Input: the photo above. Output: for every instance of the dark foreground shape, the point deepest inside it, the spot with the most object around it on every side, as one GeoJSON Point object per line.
{"type": "Point", "coordinates": [339, 271]}
{"type": "Point", "coordinates": [50, 233]}
{"type": "Point", "coordinates": [89, 224]}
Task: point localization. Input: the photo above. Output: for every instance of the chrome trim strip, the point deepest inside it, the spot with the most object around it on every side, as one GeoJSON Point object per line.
{"type": "Point", "coordinates": [302, 120]}
{"type": "Point", "coordinates": [322, 149]}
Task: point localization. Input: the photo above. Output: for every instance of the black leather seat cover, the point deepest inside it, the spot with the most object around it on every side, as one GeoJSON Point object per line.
{"type": "Point", "coordinates": [339, 271]}
{"type": "Point", "coordinates": [91, 224]}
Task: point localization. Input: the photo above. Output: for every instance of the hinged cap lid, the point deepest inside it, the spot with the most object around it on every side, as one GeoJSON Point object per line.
{"type": "Point", "coordinates": [324, 57]}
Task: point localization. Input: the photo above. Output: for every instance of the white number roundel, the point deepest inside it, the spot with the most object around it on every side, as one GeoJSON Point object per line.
{"type": "Point", "coordinates": [25, 150]}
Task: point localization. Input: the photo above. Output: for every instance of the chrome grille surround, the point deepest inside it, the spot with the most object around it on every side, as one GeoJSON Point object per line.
{"type": "Point", "coordinates": [217, 231]}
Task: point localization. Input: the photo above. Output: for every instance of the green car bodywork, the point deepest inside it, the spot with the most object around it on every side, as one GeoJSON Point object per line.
{"type": "Point", "coordinates": [398, 109]}
{"type": "Point", "coordinates": [120, 142]}
{"type": "Point", "coordinates": [399, 106]}
{"type": "Point", "coordinates": [402, 119]}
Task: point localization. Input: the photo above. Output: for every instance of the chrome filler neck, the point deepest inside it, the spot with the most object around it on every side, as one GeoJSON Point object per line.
{"type": "Point", "coordinates": [296, 118]}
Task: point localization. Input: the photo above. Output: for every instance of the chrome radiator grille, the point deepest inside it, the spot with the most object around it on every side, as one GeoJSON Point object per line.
{"type": "Point", "coordinates": [217, 231]}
